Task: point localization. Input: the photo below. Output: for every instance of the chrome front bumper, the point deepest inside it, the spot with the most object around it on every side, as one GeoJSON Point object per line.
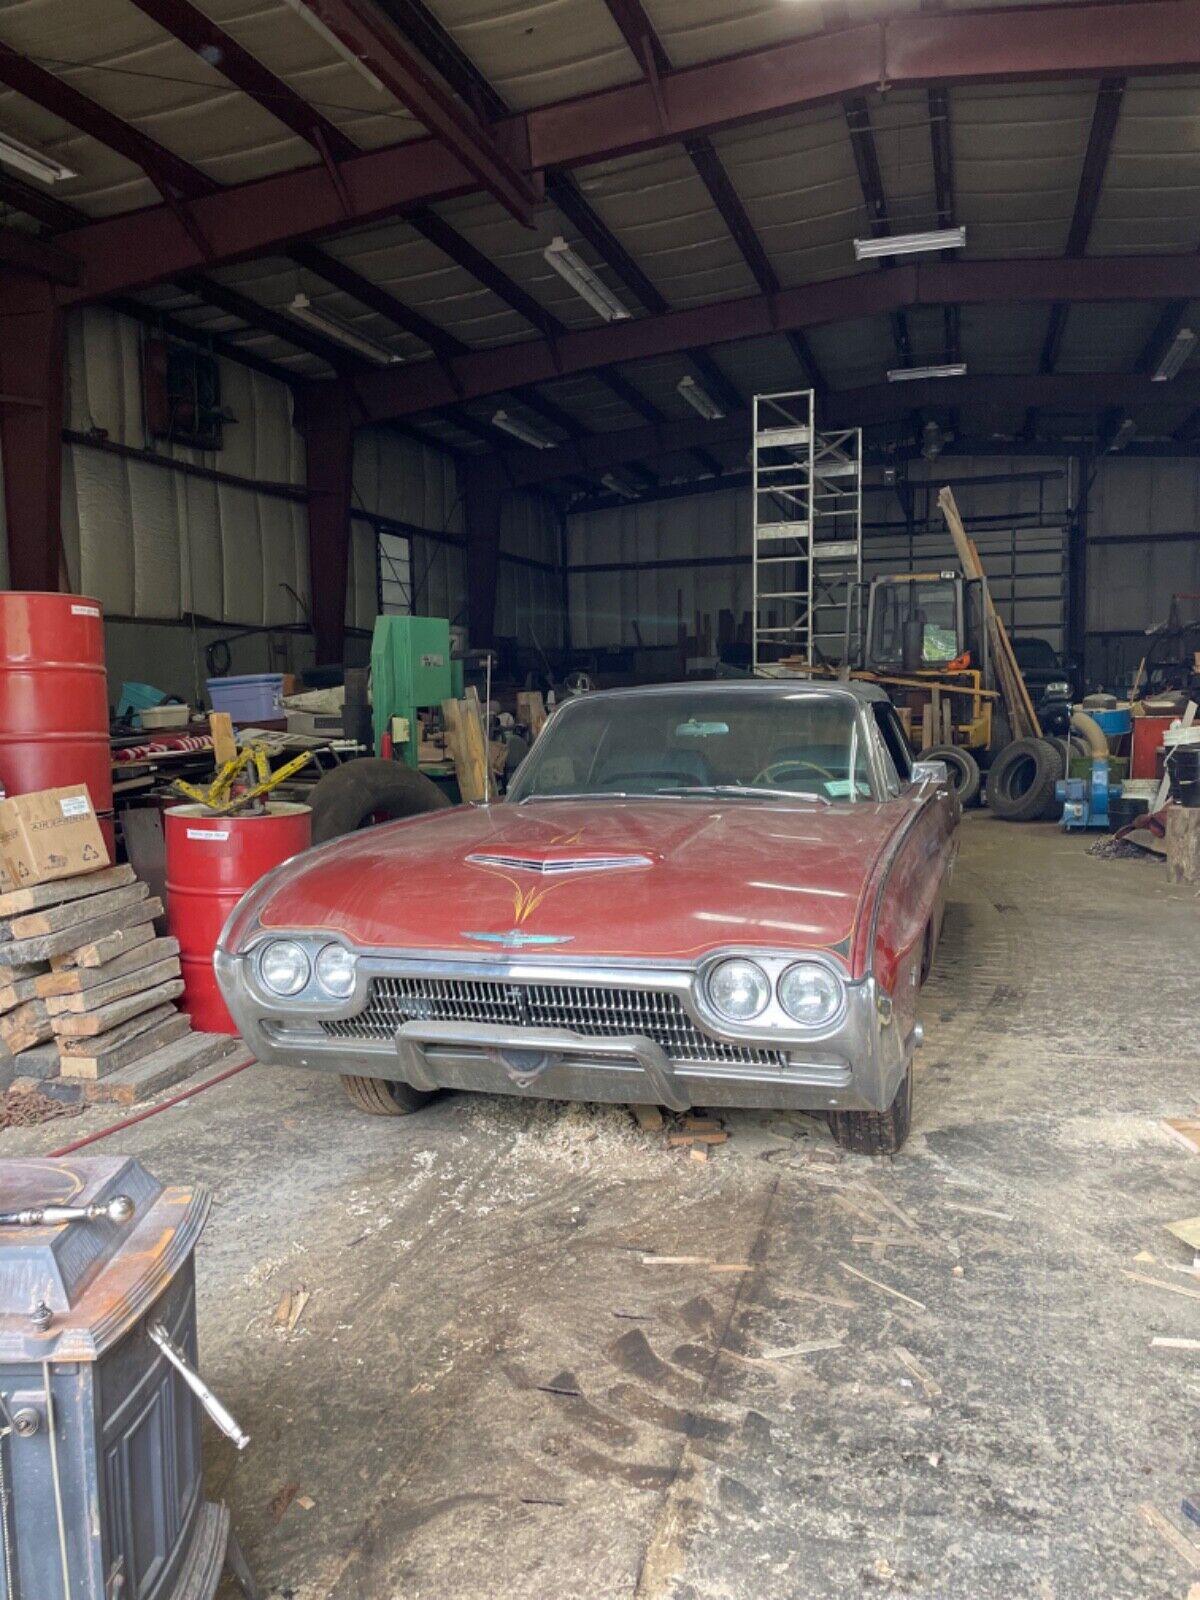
{"type": "Point", "coordinates": [858, 1066]}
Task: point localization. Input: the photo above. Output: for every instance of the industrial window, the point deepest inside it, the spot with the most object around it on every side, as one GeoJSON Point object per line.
{"type": "Point", "coordinates": [181, 394]}
{"type": "Point", "coordinates": [394, 554]}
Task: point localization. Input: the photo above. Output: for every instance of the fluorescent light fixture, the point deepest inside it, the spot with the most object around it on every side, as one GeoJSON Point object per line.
{"type": "Point", "coordinates": [1176, 353]}
{"type": "Point", "coordinates": [699, 399]}
{"type": "Point", "coordinates": [951, 369]}
{"type": "Point", "coordinates": [573, 269]}
{"type": "Point", "coordinates": [1123, 435]}
{"type": "Point", "coordinates": [303, 310]}
{"type": "Point", "coordinates": [522, 430]}
{"type": "Point", "coordinates": [334, 43]}
{"type": "Point", "coordinates": [34, 163]}
{"type": "Point", "coordinates": [619, 486]}
{"type": "Point", "coordinates": [909, 244]}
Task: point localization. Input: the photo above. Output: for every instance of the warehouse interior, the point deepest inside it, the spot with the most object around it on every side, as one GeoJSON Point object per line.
{"type": "Point", "coordinates": [389, 388]}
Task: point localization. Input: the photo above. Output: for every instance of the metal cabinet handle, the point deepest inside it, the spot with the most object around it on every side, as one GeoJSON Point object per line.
{"type": "Point", "coordinates": [197, 1385]}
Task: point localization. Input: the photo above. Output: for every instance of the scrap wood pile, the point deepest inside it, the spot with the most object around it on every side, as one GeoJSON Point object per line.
{"type": "Point", "coordinates": [88, 993]}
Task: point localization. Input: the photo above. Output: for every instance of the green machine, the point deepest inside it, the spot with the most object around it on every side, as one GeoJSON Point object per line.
{"type": "Point", "coordinates": [410, 669]}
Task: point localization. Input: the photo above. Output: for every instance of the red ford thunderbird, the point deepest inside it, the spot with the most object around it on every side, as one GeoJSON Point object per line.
{"type": "Point", "coordinates": [714, 894]}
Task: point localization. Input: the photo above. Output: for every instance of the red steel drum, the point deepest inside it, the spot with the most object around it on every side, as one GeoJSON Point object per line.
{"type": "Point", "coordinates": [211, 862]}
{"type": "Point", "coordinates": [53, 695]}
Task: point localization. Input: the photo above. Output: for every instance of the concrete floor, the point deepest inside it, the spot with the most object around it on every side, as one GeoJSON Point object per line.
{"type": "Point", "coordinates": [489, 1395]}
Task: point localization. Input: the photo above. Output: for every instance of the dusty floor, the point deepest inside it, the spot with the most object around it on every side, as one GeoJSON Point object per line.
{"type": "Point", "coordinates": [490, 1394]}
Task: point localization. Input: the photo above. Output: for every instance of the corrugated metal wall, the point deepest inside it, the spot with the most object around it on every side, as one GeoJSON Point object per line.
{"type": "Point", "coordinates": [154, 543]}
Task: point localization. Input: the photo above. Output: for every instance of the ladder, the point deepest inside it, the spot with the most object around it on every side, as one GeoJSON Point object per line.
{"type": "Point", "coordinates": [806, 532]}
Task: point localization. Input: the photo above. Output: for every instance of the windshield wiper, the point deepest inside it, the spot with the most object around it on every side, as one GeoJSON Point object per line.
{"type": "Point", "coordinates": [745, 791]}
{"type": "Point", "coordinates": [578, 794]}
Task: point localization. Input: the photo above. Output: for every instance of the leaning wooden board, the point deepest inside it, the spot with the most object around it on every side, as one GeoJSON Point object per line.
{"type": "Point", "coordinates": [166, 1067]}
{"type": "Point", "coordinates": [90, 1023]}
{"type": "Point", "coordinates": [96, 1058]}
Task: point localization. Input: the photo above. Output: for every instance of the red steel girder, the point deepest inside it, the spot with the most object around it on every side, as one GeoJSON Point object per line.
{"type": "Point", "coordinates": [1084, 40]}
{"type": "Point", "coordinates": [167, 171]}
{"type": "Point", "coordinates": [32, 359]}
{"type": "Point", "coordinates": [191, 27]}
{"type": "Point", "coordinates": [25, 252]}
{"type": "Point", "coordinates": [376, 41]}
{"type": "Point", "coordinates": [864, 294]}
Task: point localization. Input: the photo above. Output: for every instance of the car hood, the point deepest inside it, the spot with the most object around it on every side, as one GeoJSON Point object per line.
{"type": "Point", "coordinates": [666, 879]}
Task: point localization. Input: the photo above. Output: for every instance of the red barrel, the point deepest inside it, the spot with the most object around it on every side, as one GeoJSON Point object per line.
{"type": "Point", "coordinates": [211, 862]}
{"type": "Point", "coordinates": [53, 695]}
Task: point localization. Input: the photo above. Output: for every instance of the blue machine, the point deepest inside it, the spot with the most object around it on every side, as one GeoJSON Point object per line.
{"type": "Point", "coordinates": [1085, 800]}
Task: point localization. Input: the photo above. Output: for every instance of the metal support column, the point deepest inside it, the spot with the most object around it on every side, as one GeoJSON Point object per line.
{"type": "Point", "coordinates": [481, 504]}
{"type": "Point", "coordinates": [31, 423]}
{"type": "Point", "coordinates": [328, 430]}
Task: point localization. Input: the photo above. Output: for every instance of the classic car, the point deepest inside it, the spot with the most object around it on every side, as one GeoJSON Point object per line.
{"type": "Point", "coordinates": [710, 894]}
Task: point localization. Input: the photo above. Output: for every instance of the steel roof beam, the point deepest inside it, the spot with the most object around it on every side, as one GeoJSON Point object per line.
{"type": "Point", "coordinates": [373, 37]}
{"type": "Point", "coordinates": [169, 173]}
{"type": "Point", "coordinates": [937, 283]}
{"type": "Point", "coordinates": [1105, 116]}
{"type": "Point", "coordinates": [1076, 392]}
{"type": "Point", "coordinates": [225, 55]}
{"type": "Point", "coordinates": [1083, 40]}
{"type": "Point", "coordinates": [376, 298]}
{"type": "Point", "coordinates": [265, 320]}
{"type": "Point", "coordinates": [418, 24]}
{"type": "Point", "coordinates": [35, 202]}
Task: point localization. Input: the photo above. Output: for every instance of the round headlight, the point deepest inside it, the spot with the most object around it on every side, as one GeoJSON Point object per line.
{"type": "Point", "coordinates": [811, 995]}
{"type": "Point", "coordinates": [738, 990]}
{"type": "Point", "coordinates": [283, 967]}
{"type": "Point", "coordinates": [335, 971]}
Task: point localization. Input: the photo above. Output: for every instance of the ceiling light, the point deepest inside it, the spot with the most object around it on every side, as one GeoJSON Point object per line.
{"type": "Point", "coordinates": [34, 163]}
{"type": "Point", "coordinates": [573, 269]}
{"type": "Point", "coordinates": [1123, 435]}
{"type": "Point", "coordinates": [334, 43]}
{"type": "Point", "coordinates": [699, 399]}
{"type": "Point", "coordinates": [303, 310]}
{"type": "Point", "coordinates": [1176, 353]}
{"type": "Point", "coordinates": [909, 244]}
{"type": "Point", "coordinates": [951, 369]}
{"type": "Point", "coordinates": [522, 430]}
{"type": "Point", "coordinates": [619, 486]}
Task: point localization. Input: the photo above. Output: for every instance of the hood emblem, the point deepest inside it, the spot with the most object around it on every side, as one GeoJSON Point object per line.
{"type": "Point", "coordinates": [515, 939]}
{"type": "Point", "coordinates": [550, 865]}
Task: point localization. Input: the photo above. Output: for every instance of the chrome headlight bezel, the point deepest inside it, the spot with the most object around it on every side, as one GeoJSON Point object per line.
{"type": "Point", "coordinates": [755, 972]}
{"type": "Point", "coordinates": [325, 957]}
{"type": "Point", "coordinates": [773, 1024]}
{"type": "Point", "coordinates": [303, 967]}
{"type": "Point", "coordinates": [836, 986]}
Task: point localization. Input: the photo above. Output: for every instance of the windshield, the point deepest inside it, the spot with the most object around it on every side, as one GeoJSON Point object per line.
{"type": "Point", "coordinates": [928, 605]}
{"type": "Point", "coordinates": [697, 741]}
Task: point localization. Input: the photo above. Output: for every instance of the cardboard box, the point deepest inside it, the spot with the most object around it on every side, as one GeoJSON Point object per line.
{"type": "Point", "coordinates": [52, 833]}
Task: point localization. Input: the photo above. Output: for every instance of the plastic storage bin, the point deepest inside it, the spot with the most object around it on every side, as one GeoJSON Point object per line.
{"type": "Point", "coordinates": [254, 697]}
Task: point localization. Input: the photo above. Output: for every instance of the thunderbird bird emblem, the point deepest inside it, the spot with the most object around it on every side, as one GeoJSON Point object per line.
{"type": "Point", "coordinates": [516, 939]}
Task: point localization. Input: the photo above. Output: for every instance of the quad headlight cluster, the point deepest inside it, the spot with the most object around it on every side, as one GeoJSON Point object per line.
{"type": "Point", "coordinates": [739, 990]}
{"type": "Point", "coordinates": [286, 968]}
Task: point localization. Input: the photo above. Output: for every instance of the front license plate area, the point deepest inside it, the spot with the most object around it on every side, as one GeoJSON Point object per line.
{"type": "Point", "coordinates": [524, 1067]}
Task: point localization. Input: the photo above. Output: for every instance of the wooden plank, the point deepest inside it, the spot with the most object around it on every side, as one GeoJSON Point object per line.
{"type": "Point", "coordinates": [49, 945]}
{"type": "Point", "coordinates": [1187, 1552]}
{"type": "Point", "coordinates": [1183, 844]}
{"type": "Point", "coordinates": [75, 980]}
{"type": "Point", "coordinates": [17, 993]}
{"type": "Point", "coordinates": [220, 725]}
{"type": "Point", "coordinates": [531, 710]}
{"type": "Point", "coordinates": [464, 735]}
{"type": "Point", "coordinates": [99, 952]}
{"type": "Point", "coordinates": [125, 1045]}
{"type": "Point", "coordinates": [73, 913]}
{"type": "Point", "coordinates": [164, 1068]}
{"type": "Point", "coordinates": [25, 1027]}
{"type": "Point", "coordinates": [91, 1023]}
{"type": "Point", "coordinates": [63, 1005]}
{"type": "Point", "coordinates": [1185, 1131]}
{"type": "Point", "coordinates": [53, 894]}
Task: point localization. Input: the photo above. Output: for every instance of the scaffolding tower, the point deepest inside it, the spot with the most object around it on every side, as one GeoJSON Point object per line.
{"type": "Point", "coordinates": [807, 532]}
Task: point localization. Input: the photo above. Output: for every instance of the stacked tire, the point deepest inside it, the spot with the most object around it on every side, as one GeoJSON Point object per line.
{"type": "Point", "coordinates": [1022, 779]}
{"type": "Point", "coordinates": [965, 776]}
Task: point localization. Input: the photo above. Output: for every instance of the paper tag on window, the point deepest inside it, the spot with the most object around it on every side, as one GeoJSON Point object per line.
{"type": "Point", "coordinates": [85, 611]}
{"type": "Point", "coordinates": [76, 805]}
{"type": "Point", "coordinates": [207, 833]}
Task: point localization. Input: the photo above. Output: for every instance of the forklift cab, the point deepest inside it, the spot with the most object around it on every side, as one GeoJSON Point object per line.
{"type": "Point", "coordinates": [923, 622]}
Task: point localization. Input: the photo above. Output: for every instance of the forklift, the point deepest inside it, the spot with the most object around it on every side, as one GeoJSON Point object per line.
{"type": "Point", "coordinates": [924, 637]}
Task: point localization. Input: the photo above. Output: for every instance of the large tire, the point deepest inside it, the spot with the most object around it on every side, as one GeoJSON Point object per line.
{"type": "Point", "coordinates": [964, 770]}
{"type": "Point", "coordinates": [348, 797]}
{"type": "Point", "coordinates": [876, 1133]}
{"type": "Point", "coordinates": [381, 1097]}
{"type": "Point", "coordinates": [1020, 786]}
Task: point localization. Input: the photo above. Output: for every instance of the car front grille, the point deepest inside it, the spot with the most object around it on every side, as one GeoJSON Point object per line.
{"type": "Point", "coordinates": [590, 1010]}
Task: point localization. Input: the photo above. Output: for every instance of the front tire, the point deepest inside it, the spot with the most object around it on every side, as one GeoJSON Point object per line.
{"type": "Point", "coordinates": [381, 1097]}
{"type": "Point", "coordinates": [876, 1133]}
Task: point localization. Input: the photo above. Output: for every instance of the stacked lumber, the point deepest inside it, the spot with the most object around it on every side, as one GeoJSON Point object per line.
{"type": "Point", "coordinates": [88, 992]}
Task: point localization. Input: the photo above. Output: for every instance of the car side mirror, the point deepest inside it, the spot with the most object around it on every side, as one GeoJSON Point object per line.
{"type": "Point", "coordinates": [930, 772]}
